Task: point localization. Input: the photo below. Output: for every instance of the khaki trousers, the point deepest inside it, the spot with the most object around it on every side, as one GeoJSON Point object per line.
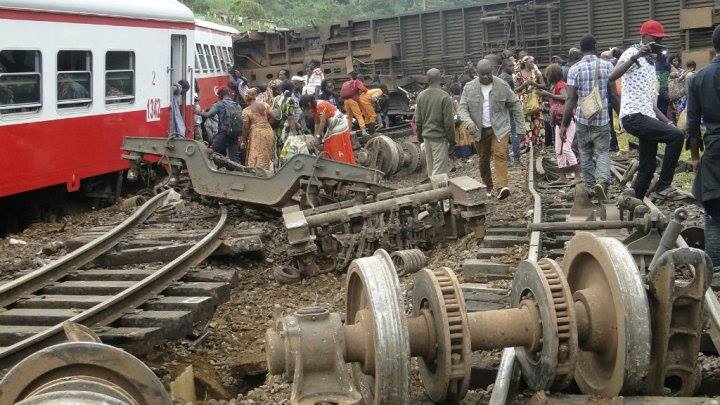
{"type": "Point", "coordinates": [436, 156]}
{"type": "Point", "coordinates": [352, 109]}
{"type": "Point", "coordinates": [487, 146]}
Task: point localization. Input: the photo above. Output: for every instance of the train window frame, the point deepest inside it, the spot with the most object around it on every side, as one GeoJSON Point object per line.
{"type": "Point", "coordinates": [228, 64]}
{"type": "Point", "coordinates": [223, 59]}
{"type": "Point", "coordinates": [208, 57]}
{"type": "Point", "coordinates": [218, 65]}
{"type": "Point", "coordinates": [124, 100]}
{"type": "Point", "coordinates": [23, 109]}
{"type": "Point", "coordinates": [75, 103]}
{"type": "Point", "coordinates": [231, 57]}
{"type": "Point", "coordinates": [201, 56]}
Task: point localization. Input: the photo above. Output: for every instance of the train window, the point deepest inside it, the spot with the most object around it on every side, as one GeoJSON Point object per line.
{"type": "Point", "coordinates": [119, 77]}
{"type": "Point", "coordinates": [228, 61]}
{"type": "Point", "coordinates": [20, 81]}
{"type": "Point", "coordinates": [74, 79]}
{"type": "Point", "coordinates": [230, 57]}
{"type": "Point", "coordinates": [223, 59]}
{"type": "Point", "coordinates": [218, 66]}
{"type": "Point", "coordinates": [211, 66]}
{"type": "Point", "coordinates": [201, 58]}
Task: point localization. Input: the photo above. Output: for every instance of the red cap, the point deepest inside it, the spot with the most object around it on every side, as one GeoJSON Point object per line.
{"type": "Point", "coordinates": [222, 90]}
{"type": "Point", "coordinates": [653, 28]}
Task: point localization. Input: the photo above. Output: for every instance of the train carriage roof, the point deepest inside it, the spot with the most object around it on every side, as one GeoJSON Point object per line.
{"type": "Point", "coordinates": [158, 10]}
{"type": "Point", "coordinates": [213, 26]}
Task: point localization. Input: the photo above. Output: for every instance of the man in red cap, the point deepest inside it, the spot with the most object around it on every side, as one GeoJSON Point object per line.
{"type": "Point", "coordinates": [641, 117]}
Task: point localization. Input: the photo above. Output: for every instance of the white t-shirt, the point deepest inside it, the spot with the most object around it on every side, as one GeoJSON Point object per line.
{"type": "Point", "coordinates": [639, 86]}
{"type": "Point", "coordinates": [487, 118]}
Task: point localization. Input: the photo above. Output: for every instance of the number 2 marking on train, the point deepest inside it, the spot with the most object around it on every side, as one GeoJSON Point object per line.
{"type": "Point", "coordinates": [154, 79]}
{"type": "Point", "coordinates": [152, 111]}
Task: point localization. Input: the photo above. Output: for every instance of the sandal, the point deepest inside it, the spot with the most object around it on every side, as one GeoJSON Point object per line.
{"type": "Point", "coordinates": [558, 182]}
{"type": "Point", "coordinates": [669, 194]}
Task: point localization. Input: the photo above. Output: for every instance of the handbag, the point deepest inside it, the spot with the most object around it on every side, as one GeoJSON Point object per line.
{"type": "Point", "coordinates": [275, 116]}
{"type": "Point", "coordinates": [592, 104]}
{"type": "Point", "coordinates": [531, 104]}
{"type": "Point", "coordinates": [676, 88]}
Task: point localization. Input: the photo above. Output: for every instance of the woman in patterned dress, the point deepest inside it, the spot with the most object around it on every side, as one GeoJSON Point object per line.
{"type": "Point", "coordinates": [527, 80]}
{"type": "Point", "coordinates": [259, 134]}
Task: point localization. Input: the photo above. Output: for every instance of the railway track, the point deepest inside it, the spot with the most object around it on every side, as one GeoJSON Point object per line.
{"type": "Point", "coordinates": [137, 307]}
{"type": "Point", "coordinates": [548, 209]}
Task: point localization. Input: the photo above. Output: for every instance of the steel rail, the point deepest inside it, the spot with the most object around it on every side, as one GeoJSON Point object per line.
{"type": "Point", "coordinates": [508, 374]}
{"type": "Point", "coordinates": [130, 298]}
{"type": "Point", "coordinates": [35, 280]}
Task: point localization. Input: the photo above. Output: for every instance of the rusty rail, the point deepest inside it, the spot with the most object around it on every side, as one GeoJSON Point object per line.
{"type": "Point", "coordinates": [508, 374]}
{"type": "Point", "coordinates": [33, 281]}
{"type": "Point", "coordinates": [110, 310]}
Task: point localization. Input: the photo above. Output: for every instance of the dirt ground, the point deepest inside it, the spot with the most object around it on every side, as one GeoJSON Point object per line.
{"type": "Point", "coordinates": [227, 352]}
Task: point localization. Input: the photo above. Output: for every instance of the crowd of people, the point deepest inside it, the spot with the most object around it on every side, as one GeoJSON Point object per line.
{"type": "Point", "coordinates": [499, 108]}
{"type": "Point", "coordinates": [263, 127]}
{"type": "Point", "coordinates": [648, 92]}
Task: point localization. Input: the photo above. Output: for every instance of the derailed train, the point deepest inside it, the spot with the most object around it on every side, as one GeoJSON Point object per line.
{"type": "Point", "coordinates": [399, 49]}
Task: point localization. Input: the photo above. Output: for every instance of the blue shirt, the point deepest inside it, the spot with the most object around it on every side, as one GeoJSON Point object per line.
{"type": "Point", "coordinates": [582, 76]}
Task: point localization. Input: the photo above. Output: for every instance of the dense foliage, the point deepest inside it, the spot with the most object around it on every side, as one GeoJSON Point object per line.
{"type": "Point", "coordinates": [295, 13]}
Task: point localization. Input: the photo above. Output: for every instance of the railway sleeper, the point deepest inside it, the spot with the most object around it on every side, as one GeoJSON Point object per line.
{"type": "Point", "coordinates": [588, 320]}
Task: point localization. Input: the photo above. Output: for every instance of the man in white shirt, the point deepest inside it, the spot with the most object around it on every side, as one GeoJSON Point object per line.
{"type": "Point", "coordinates": [487, 106]}
{"type": "Point", "coordinates": [641, 117]}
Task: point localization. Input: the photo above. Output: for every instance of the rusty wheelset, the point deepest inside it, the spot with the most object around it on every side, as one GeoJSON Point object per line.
{"type": "Point", "coordinates": [587, 320]}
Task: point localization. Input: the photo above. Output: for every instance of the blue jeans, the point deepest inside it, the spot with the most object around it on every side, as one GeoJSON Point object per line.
{"type": "Point", "coordinates": [515, 141]}
{"type": "Point", "coordinates": [594, 146]}
{"type": "Point", "coordinates": [226, 146]}
{"type": "Point", "coordinates": [712, 239]}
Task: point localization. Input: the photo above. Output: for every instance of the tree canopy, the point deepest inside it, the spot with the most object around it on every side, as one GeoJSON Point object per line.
{"type": "Point", "coordinates": [294, 13]}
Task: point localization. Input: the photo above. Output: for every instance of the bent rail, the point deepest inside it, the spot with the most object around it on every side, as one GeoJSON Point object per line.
{"type": "Point", "coordinates": [113, 308]}
{"type": "Point", "coordinates": [37, 279]}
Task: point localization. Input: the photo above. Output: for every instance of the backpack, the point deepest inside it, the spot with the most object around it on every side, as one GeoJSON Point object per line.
{"type": "Point", "coordinates": [348, 89]}
{"type": "Point", "coordinates": [231, 121]}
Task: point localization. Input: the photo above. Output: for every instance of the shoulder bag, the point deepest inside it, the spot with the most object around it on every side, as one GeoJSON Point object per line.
{"type": "Point", "coordinates": [592, 104]}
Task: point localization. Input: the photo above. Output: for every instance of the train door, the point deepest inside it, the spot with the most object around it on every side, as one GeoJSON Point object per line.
{"type": "Point", "coordinates": [178, 48]}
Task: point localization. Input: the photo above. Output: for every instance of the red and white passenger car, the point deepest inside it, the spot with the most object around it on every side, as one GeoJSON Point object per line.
{"type": "Point", "coordinates": [78, 76]}
{"type": "Point", "coordinates": [213, 59]}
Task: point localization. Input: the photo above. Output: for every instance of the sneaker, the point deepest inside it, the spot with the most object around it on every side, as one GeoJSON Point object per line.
{"type": "Point", "coordinates": [503, 193]}
{"type": "Point", "coordinates": [600, 192]}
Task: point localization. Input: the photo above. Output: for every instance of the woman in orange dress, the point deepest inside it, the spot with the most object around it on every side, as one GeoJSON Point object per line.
{"type": "Point", "coordinates": [259, 134]}
{"type": "Point", "coordinates": [331, 128]}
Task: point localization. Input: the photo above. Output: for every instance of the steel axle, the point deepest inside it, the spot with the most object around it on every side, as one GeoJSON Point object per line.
{"type": "Point", "coordinates": [559, 316]}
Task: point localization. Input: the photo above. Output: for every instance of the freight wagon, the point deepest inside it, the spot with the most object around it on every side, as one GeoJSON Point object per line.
{"type": "Point", "coordinates": [401, 48]}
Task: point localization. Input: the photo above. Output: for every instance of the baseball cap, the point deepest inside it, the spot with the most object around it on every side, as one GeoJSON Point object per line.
{"type": "Point", "coordinates": [653, 28]}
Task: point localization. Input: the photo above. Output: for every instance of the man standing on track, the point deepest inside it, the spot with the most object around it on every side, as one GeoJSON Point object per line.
{"type": "Point", "coordinates": [641, 117]}
{"type": "Point", "coordinates": [587, 80]}
{"type": "Point", "coordinates": [487, 106]}
{"type": "Point", "coordinates": [704, 104]}
{"type": "Point", "coordinates": [434, 117]}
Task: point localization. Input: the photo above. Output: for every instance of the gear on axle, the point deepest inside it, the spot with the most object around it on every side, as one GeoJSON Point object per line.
{"type": "Point", "coordinates": [551, 364]}
{"type": "Point", "coordinates": [446, 378]}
